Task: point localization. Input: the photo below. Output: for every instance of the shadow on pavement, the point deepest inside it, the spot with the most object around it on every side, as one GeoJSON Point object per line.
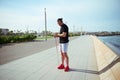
{"type": "Point", "coordinates": [85, 71]}
{"type": "Point", "coordinates": [8, 44]}
{"type": "Point", "coordinates": [116, 60]}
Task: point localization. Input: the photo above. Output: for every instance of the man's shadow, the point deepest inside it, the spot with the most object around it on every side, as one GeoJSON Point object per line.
{"type": "Point", "coordinates": [84, 71]}
{"type": "Point", "coordinates": [115, 61]}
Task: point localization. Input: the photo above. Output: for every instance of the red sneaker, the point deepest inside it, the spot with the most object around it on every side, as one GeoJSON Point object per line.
{"type": "Point", "coordinates": [67, 69]}
{"type": "Point", "coordinates": [61, 66]}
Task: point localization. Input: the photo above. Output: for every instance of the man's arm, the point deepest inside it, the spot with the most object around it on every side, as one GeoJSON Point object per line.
{"type": "Point", "coordinates": [60, 35]}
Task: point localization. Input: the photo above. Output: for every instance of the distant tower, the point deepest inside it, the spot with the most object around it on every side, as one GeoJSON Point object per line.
{"type": "Point", "coordinates": [73, 29]}
{"type": "Point", "coordinates": [81, 31]}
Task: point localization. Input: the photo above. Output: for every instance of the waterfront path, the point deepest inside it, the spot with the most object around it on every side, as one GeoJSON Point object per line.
{"type": "Point", "coordinates": [12, 51]}
{"type": "Point", "coordinates": [43, 65]}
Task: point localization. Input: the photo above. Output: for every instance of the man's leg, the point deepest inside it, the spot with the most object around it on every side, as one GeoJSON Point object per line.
{"type": "Point", "coordinates": [67, 62]}
{"type": "Point", "coordinates": [65, 47]}
{"type": "Point", "coordinates": [67, 59]}
{"type": "Point", "coordinates": [62, 58]}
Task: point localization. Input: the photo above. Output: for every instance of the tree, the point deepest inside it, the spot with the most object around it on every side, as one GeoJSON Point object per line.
{"type": "Point", "coordinates": [0, 31]}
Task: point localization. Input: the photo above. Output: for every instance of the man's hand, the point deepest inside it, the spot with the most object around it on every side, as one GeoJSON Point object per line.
{"type": "Point", "coordinates": [55, 35]}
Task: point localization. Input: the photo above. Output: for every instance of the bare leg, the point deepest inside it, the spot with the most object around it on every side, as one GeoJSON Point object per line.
{"type": "Point", "coordinates": [67, 59]}
{"type": "Point", "coordinates": [62, 58]}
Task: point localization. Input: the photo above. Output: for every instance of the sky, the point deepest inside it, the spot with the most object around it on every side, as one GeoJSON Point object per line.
{"type": "Point", "coordinates": [91, 15]}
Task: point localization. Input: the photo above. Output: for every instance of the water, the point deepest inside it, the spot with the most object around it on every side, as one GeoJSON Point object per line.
{"type": "Point", "coordinates": [112, 42]}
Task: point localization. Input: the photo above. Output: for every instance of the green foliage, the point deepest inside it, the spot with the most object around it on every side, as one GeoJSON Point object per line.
{"type": "Point", "coordinates": [71, 34]}
{"type": "Point", "coordinates": [13, 38]}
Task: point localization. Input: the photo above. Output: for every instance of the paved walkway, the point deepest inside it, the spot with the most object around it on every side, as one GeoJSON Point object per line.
{"type": "Point", "coordinates": [42, 65]}
{"type": "Point", "coordinates": [13, 51]}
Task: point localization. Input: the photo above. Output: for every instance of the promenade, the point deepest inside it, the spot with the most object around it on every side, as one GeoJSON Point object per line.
{"type": "Point", "coordinates": [84, 64]}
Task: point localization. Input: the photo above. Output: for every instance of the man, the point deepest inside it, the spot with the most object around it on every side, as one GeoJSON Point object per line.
{"type": "Point", "coordinates": [64, 40]}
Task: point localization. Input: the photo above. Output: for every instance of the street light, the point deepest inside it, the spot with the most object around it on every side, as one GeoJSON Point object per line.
{"type": "Point", "coordinates": [45, 26]}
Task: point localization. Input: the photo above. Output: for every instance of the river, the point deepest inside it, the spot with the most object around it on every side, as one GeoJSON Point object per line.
{"type": "Point", "coordinates": [112, 42]}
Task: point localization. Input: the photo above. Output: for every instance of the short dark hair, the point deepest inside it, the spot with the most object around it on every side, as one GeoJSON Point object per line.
{"type": "Point", "coordinates": [60, 19]}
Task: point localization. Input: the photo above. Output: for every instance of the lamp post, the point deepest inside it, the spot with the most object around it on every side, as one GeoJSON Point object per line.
{"type": "Point", "coordinates": [45, 26]}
